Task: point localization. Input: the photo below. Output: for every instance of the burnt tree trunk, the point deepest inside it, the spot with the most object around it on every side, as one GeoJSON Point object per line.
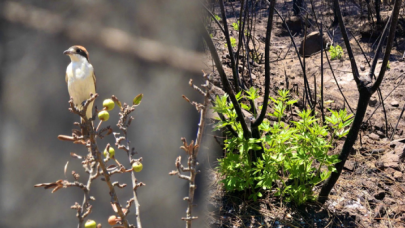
{"type": "Point", "coordinates": [378, 10]}
{"type": "Point", "coordinates": [365, 88]}
{"type": "Point", "coordinates": [297, 5]}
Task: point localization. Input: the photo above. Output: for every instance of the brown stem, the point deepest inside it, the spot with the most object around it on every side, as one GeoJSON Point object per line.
{"type": "Point", "coordinates": [123, 124]}
{"type": "Point", "coordinates": [85, 204]}
{"type": "Point", "coordinates": [97, 155]}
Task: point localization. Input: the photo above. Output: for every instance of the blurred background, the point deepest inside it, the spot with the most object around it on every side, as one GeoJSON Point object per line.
{"type": "Point", "coordinates": [144, 46]}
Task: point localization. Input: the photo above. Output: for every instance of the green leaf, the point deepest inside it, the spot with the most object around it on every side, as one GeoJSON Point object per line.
{"type": "Point", "coordinates": [118, 103]}
{"type": "Point", "coordinates": [247, 108]}
{"type": "Point", "coordinates": [137, 100]}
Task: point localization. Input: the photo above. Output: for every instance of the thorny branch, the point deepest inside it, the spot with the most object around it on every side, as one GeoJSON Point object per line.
{"type": "Point", "coordinates": [123, 124]}
{"type": "Point", "coordinates": [95, 165]}
{"type": "Point", "coordinates": [192, 150]}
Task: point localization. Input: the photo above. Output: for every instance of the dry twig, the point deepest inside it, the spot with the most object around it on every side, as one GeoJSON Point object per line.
{"type": "Point", "coordinates": [192, 150]}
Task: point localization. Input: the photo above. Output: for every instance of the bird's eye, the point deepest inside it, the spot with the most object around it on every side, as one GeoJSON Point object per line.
{"type": "Point", "coordinates": [78, 50]}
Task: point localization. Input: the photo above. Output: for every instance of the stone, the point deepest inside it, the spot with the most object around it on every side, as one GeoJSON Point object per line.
{"type": "Point", "coordinates": [379, 125]}
{"type": "Point", "coordinates": [362, 67]}
{"type": "Point", "coordinates": [396, 136]}
{"type": "Point", "coordinates": [390, 160]}
{"type": "Point", "coordinates": [400, 150]}
{"type": "Point", "coordinates": [368, 184]}
{"type": "Point", "coordinates": [374, 136]}
{"type": "Point", "coordinates": [313, 44]}
{"type": "Point", "coordinates": [394, 103]}
{"type": "Point", "coordinates": [295, 24]}
{"type": "Point", "coordinates": [397, 142]}
{"type": "Point", "coordinates": [253, 77]}
{"type": "Point", "coordinates": [380, 133]}
{"type": "Point", "coordinates": [397, 175]}
{"type": "Point", "coordinates": [349, 165]}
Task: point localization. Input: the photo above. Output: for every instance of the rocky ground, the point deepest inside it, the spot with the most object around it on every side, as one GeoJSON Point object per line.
{"type": "Point", "coordinates": [371, 189]}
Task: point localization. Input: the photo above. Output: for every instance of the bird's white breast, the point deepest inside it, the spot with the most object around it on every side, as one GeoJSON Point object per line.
{"type": "Point", "coordinates": [80, 81]}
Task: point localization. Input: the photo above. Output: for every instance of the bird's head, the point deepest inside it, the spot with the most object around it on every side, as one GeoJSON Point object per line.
{"type": "Point", "coordinates": [77, 53]}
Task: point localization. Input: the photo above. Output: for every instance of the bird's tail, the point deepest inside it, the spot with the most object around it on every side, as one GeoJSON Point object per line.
{"type": "Point", "coordinates": [89, 115]}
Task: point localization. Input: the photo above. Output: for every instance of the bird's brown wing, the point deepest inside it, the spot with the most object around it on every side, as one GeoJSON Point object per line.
{"type": "Point", "coordinates": [94, 79]}
{"type": "Point", "coordinates": [66, 78]}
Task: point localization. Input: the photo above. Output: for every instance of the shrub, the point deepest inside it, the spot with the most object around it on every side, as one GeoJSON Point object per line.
{"type": "Point", "coordinates": [295, 157]}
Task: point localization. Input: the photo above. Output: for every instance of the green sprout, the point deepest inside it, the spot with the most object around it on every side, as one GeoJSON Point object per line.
{"type": "Point", "coordinates": [336, 52]}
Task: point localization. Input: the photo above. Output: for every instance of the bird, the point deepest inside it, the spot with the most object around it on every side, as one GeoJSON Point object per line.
{"type": "Point", "coordinates": [80, 79]}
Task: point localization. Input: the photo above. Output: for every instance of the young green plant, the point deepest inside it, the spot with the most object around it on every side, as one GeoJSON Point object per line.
{"type": "Point", "coordinates": [336, 52]}
{"type": "Point", "coordinates": [295, 157]}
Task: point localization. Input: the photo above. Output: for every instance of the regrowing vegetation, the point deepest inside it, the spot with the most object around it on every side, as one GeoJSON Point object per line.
{"type": "Point", "coordinates": [295, 157]}
{"type": "Point", "coordinates": [281, 142]}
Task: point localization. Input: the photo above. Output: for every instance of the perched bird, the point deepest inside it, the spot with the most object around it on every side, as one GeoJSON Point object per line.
{"type": "Point", "coordinates": [80, 78]}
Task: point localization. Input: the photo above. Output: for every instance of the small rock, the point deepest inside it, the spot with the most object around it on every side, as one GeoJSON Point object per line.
{"type": "Point", "coordinates": [394, 103]}
{"type": "Point", "coordinates": [253, 77]}
{"type": "Point", "coordinates": [374, 136]}
{"type": "Point", "coordinates": [396, 136]}
{"type": "Point", "coordinates": [395, 193]}
{"type": "Point", "coordinates": [380, 195]}
{"type": "Point", "coordinates": [389, 172]}
{"type": "Point", "coordinates": [390, 160]}
{"type": "Point", "coordinates": [368, 184]}
{"type": "Point", "coordinates": [362, 67]}
{"type": "Point", "coordinates": [397, 142]}
{"type": "Point", "coordinates": [400, 150]}
{"type": "Point", "coordinates": [380, 133]}
{"type": "Point", "coordinates": [313, 44]}
{"type": "Point", "coordinates": [349, 165]}
{"type": "Point", "coordinates": [397, 175]}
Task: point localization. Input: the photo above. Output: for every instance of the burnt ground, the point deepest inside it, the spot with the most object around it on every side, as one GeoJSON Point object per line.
{"type": "Point", "coordinates": [371, 190]}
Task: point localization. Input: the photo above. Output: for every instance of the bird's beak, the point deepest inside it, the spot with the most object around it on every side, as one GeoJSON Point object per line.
{"type": "Point", "coordinates": [68, 52]}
